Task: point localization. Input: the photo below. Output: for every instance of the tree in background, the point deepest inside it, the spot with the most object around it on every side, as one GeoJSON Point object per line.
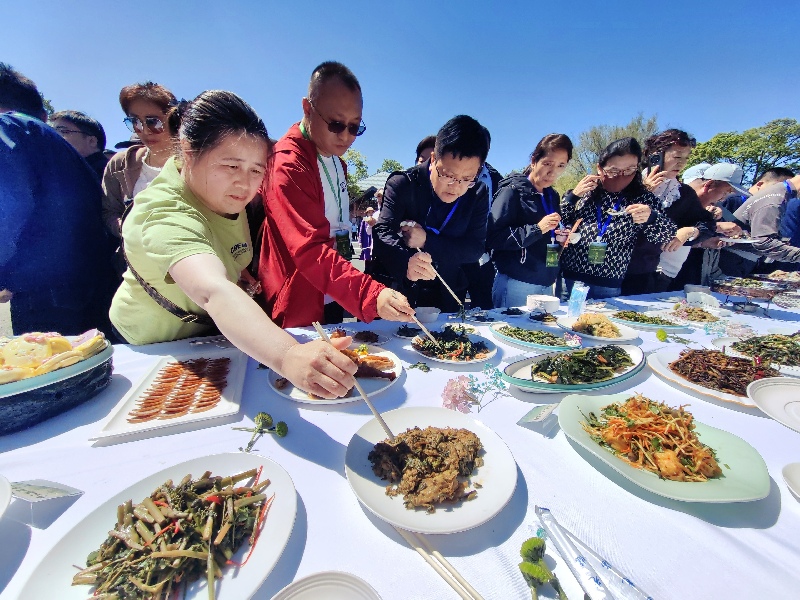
{"type": "Point", "coordinates": [390, 165]}
{"type": "Point", "coordinates": [776, 144]}
{"type": "Point", "coordinates": [356, 170]}
{"type": "Point", "coordinates": [48, 106]}
{"type": "Point", "coordinates": [591, 143]}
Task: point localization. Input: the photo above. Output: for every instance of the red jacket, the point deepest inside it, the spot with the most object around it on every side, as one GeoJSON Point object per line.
{"type": "Point", "coordinates": [299, 263]}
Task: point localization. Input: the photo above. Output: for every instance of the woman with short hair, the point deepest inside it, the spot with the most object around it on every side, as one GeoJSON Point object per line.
{"type": "Point", "coordinates": [523, 221]}
{"type": "Point", "coordinates": [187, 243]}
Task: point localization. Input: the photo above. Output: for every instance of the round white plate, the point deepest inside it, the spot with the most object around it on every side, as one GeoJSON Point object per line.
{"type": "Point", "coordinates": [779, 397]}
{"type": "Point", "coordinates": [791, 475]}
{"type": "Point", "coordinates": [726, 343]}
{"type": "Point", "coordinates": [647, 326]}
{"type": "Point", "coordinates": [498, 475]}
{"type": "Point", "coordinates": [784, 330]}
{"type": "Point", "coordinates": [40, 381]}
{"type": "Point", "coordinates": [721, 313]}
{"type": "Point", "coordinates": [627, 334]}
{"type": "Point", "coordinates": [52, 578]}
{"type": "Point", "coordinates": [518, 374]}
{"type": "Point", "coordinates": [5, 494]}
{"type": "Point", "coordinates": [472, 338]}
{"type": "Point", "coordinates": [495, 329]}
{"type": "Point", "coordinates": [372, 385]}
{"type": "Point", "coordinates": [659, 362]}
{"type": "Point", "coordinates": [328, 585]}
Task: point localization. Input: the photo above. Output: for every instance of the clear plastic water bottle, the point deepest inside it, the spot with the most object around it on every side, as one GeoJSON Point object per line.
{"type": "Point", "coordinates": [577, 299]}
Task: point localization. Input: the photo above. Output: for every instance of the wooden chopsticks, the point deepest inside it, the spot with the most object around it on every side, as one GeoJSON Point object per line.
{"type": "Point", "coordinates": [440, 564]}
{"type": "Point", "coordinates": [361, 391]}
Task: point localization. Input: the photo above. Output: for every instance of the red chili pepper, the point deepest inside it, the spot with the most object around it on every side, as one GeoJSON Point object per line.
{"type": "Point", "coordinates": [214, 499]}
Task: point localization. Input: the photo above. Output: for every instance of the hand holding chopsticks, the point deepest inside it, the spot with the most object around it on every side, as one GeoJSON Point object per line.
{"type": "Point", "coordinates": [444, 283]}
{"type": "Point", "coordinates": [361, 391]}
{"type": "Point", "coordinates": [425, 330]}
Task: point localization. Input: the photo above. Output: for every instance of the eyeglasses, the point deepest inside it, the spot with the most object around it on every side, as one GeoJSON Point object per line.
{"type": "Point", "coordinates": [612, 172]}
{"type": "Point", "coordinates": [337, 127]}
{"type": "Point", "coordinates": [449, 180]}
{"type": "Point", "coordinates": [65, 131]}
{"type": "Point", "coordinates": [154, 124]}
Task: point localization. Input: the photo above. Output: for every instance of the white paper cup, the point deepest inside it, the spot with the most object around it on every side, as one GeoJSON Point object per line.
{"type": "Point", "coordinates": [547, 303]}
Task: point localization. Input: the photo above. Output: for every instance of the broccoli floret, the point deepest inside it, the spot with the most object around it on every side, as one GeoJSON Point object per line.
{"type": "Point", "coordinates": [263, 420]}
{"type": "Point", "coordinates": [532, 550]}
{"type": "Point", "coordinates": [536, 575]}
{"type": "Point", "coordinates": [281, 429]}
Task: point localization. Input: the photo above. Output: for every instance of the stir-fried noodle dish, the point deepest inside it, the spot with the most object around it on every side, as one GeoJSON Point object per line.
{"type": "Point", "coordinates": [596, 325]}
{"type": "Point", "coordinates": [717, 371]}
{"type": "Point", "coordinates": [652, 436]}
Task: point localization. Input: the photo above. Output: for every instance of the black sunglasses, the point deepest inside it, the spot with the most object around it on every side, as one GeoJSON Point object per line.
{"type": "Point", "coordinates": [154, 124]}
{"type": "Point", "coordinates": [337, 127]}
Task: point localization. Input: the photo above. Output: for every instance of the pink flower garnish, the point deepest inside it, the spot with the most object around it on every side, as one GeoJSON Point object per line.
{"type": "Point", "coordinates": [456, 395]}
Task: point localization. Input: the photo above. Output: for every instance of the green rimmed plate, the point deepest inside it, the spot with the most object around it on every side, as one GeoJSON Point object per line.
{"type": "Point", "coordinates": [518, 374]}
{"type": "Point", "coordinates": [746, 477]}
{"type": "Point", "coordinates": [496, 327]}
{"type": "Point", "coordinates": [649, 326]}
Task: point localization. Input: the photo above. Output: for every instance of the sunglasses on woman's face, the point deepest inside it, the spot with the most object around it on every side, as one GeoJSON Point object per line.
{"type": "Point", "coordinates": [154, 124]}
{"type": "Point", "coordinates": [337, 127]}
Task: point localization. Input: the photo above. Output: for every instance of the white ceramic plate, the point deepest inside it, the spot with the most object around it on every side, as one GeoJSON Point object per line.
{"type": "Point", "coordinates": [746, 478]}
{"type": "Point", "coordinates": [518, 374]}
{"type": "Point", "coordinates": [720, 313]}
{"type": "Point", "coordinates": [791, 475]}
{"type": "Point", "coordinates": [788, 330]}
{"type": "Point", "coordinates": [498, 475]}
{"type": "Point", "coordinates": [627, 334]}
{"type": "Point", "coordinates": [372, 386]}
{"type": "Point", "coordinates": [52, 578]}
{"type": "Point", "coordinates": [503, 337]}
{"type": "Point", "coordinates": [659, 362]}
{"type": "Point", "coordinates": [118, 425]}
{"type": "Point", "coordinates": [328, 585]}
{"type": "Point", "coordinates": [40, 381]}
{"type": "Point", "coordinates": [473, 338]}
{"type": "Point", "coordinates": [5, 494]}
{"type": "Point", "coordinates": [647, 326]}
{"type": "Point", "coordinates": [727, 344]}
{"type": "Point", "coordinates": [779, 397]}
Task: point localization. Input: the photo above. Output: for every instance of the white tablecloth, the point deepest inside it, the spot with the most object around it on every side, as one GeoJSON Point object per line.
{"type": "Point", "coordinates": [673, 550]}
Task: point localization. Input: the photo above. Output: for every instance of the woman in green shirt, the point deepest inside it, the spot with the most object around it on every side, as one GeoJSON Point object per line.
{"type": "Point", "coordinates": [187, 242]}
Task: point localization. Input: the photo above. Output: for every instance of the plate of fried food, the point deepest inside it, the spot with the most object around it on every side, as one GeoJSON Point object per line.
{"type": "Point", "coordinates": [255, 504]}
{"type": "Point", "coordinates": [179, 390]}
{"type": "Point", "coordinates": [377, 370]}
{"type": "Point", "coordinates": [710, 372]}
{"type": "Point", "coordinates": [445, 471]}
{"type": "Point", "coordinates": [598, 327]}
{"type": "Point", "coordinates": [454, 346]}
{"type": "Point", "coordinates": [663, 449]}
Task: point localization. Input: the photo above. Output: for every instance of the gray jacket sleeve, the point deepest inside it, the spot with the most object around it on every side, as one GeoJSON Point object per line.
{"type": "Point", "coordinates": [764, 227]}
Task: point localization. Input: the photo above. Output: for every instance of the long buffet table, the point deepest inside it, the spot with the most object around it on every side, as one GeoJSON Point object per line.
{"type": "Point", "coordinates": [673, 550]}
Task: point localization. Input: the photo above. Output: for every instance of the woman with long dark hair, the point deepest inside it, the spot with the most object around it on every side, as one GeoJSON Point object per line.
{"type": "Point", "coordinates": [614, 208]}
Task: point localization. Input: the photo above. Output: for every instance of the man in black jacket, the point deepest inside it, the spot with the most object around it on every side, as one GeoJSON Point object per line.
{"type": "Point", "coordinates": [433, 217]}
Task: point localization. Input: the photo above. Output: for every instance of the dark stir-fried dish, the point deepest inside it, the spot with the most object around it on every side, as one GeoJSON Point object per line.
{"type": "Point", "coordinates": [652, 436]}
{"type": "Point", "coordinates": [428, 466]}
{"type": "Point", "coordinates": [513, 312]}
{"type": "Point", "coordinates": [637, 317]}
{"type": "Point", "coordinates": [452, 345]}
{"type": "Point", "coordinates": [717, 371]}
{"type": "Point", "coordinates": [582, 366]}
{"type": "Point", "coordinates": [176, 535]}
{"type": "Point", "coordinates": [780, 349]}
{"type": "Point", "coordinates": [533, 336]}
{"type": "Point", "coordinates": [408, 332]}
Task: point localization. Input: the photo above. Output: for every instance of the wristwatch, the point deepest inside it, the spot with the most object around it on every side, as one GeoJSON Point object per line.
{"type": "Point", "coordinates": [694, 235]}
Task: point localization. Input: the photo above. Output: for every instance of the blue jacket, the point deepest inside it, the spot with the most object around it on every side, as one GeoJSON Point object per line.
{"type": "Point", "coordinates": [53, 240]}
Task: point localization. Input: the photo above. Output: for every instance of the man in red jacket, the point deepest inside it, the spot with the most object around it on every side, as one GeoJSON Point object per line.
{"type": "Point", "coordinates": [303, 272]}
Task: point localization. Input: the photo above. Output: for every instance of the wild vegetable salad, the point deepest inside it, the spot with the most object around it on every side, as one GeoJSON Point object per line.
{"type": "Point", "coordinates": [545, 338]}
{"type": "Point", "coordinates": [780, 349]}
{"type": "Point", "coordinates": [582, 366]}
{"type": "Point", "coordinates": [176, 535]}
{"type": "Point", "coordinates": [452, 345]}
{"type": "Point", "coordinates": [637, 317]}
{"type": "Point", "coordinates": [652, 436]}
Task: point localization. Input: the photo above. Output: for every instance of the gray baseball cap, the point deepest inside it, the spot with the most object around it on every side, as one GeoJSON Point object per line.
{"type": "Point", "coordinates": [695, 172]}
{"type": "Point", "coordinates": [727, 172]}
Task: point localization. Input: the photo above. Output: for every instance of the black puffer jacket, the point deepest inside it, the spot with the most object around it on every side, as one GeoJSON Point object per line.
{"type": "Point", "coordinates": [519, 247]}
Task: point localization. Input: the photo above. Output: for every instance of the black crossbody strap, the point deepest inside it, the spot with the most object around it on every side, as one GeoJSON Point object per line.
{"type": "Point", "coordinates": [165, 303]}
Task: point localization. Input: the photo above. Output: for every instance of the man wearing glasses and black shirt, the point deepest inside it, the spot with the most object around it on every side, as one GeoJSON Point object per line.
{"type": "Point", "coordinates": [434, 217]}
{"type": "Point", "coordinates": [305, 268]}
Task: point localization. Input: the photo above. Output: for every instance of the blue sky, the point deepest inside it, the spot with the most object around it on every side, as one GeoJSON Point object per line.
{"type": "Point", "coordinates": [524, 69]}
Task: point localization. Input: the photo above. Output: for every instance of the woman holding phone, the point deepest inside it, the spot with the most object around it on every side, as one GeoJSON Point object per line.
{"type": "Point", "coordinates": [186, 243]}
{"type": "Point", "coordinates": [614, 208]}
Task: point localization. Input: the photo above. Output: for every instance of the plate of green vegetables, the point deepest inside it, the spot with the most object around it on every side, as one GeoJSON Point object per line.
{"type": "Point", "coordinates": [160, 529]}
{"type": "Point", "coordinates": [645, 320]}
{"type": "Point", "coordinates": [576, 370]}
{"type": "Point", "coordinates": [783, 351]}
{"type": "Point", "coordinates": [538, 339]}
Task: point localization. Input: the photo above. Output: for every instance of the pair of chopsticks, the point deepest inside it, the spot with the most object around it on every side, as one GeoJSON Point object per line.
{"type": "Point", "coordinates": [575, 226]}
{"type": "Point", "coordinates": [440, 564]}
{"type": "Point", "coordinates": [444, 283]}
{"type": "Point", "coordinates": [361, 391]}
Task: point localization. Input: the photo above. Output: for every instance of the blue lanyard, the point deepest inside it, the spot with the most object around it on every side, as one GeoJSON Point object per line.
{"type": "Point", "coordinates": [789, 189]}
{"type": "Point", "coordinates": [548, 210]}
{"type": "Point", "coordinates": [446, 219]}
{"type": "Point", "coordinates": [602, 226]}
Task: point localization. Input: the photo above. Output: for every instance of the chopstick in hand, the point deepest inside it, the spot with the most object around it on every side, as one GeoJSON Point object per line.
{"type": "Point", "coordinates": [361, 391]}
{"type": "Point", "coordinates": [425, 329]}
{"type": "Point", "coordinates": [444, 283]}
{"type": "Point", "coordinates": [447, 572]}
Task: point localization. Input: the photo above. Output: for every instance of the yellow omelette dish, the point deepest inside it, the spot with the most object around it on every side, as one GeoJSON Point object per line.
{"type": "Point", "coordinates": [38, 353]}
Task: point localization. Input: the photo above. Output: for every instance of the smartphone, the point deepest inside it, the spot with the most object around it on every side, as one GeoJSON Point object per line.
{"type": "Point", "coordinates": [656, 160]}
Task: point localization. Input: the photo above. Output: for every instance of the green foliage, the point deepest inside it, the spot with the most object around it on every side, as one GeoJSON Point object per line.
{"type": "Point", "coordinates": [48, 106]}
{"type": "Point", "coordinates": [776, 144]}
{"type": "Point", "coordinates": [356, 170]}
{"type": "Point", "coordinates": [389, 165]}
{"type": "Point", "coordinates": [591, 143]}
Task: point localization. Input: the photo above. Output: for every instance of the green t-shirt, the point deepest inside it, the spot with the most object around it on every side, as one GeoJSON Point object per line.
{"type": "Point", "coordinates": [166, 224]}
